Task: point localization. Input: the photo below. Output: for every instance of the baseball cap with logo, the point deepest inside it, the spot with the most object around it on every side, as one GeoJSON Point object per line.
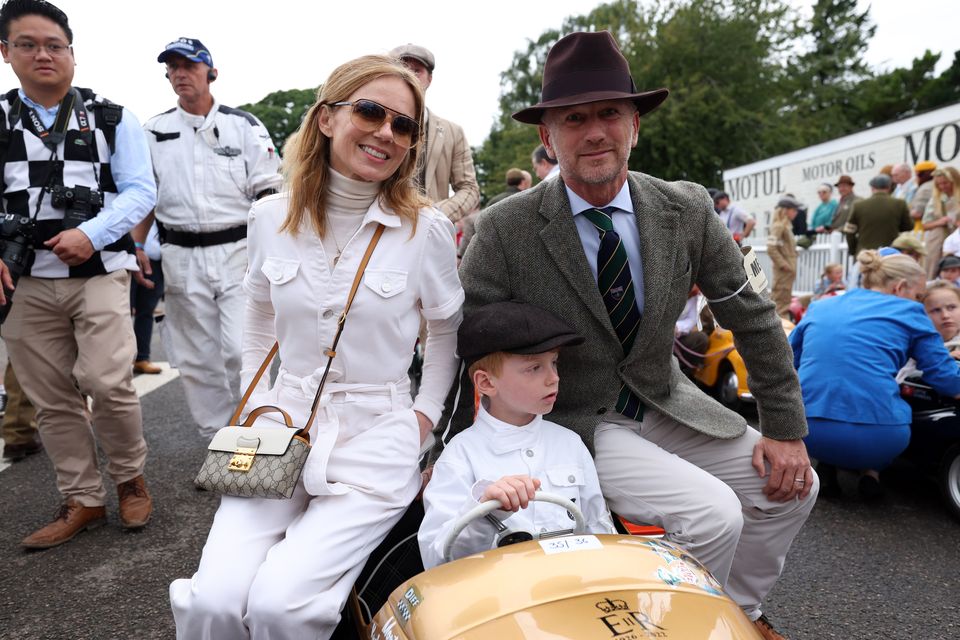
{"type": "Point", "coordinates": [189, 48]}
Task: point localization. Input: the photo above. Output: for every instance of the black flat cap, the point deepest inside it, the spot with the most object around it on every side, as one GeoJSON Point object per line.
{"type": "Point", "coordinates": [512, 327]}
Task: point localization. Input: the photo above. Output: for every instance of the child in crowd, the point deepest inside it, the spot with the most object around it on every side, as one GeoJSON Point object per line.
{"type": "Point", "coordinates": [949, 269]}
{"type": "Point", "coordinates": [510, 452]}
{"type": "Point", "coordinates": [831, 281]}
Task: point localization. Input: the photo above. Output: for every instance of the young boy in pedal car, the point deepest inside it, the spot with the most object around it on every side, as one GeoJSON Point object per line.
{"type": "Point", "coordinates": [510, 452]}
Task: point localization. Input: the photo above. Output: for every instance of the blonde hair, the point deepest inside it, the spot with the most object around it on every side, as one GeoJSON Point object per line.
{"type": "Point", "coordinates": [953, 176]}
{"type": "Point", "coordinates": [830, 267]}
{"type": "Point", "coordinates": [941, 284]}
{"type": "Point", "coordinates": [307, 152]}
{"type": "Point", "coordinates": [781, 221]}
{"type": "Point", "coordinates": [879, 271]}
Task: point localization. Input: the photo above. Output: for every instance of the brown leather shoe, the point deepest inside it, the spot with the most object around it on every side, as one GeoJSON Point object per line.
{"type": "Point", "coordinates": [71, 519]}
{"type": "Point", "coordinates": [17, 452]}
{"type": "Point", "coordinates": [145, 366]}
{"type": "Point", "coordinates": [136, 505]}
{"type": "Point", "coordinates": [766, 630]}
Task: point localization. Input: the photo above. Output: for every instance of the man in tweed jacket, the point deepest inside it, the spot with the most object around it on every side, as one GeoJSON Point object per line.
{"type": "Point", "coordinates": [734, 498]}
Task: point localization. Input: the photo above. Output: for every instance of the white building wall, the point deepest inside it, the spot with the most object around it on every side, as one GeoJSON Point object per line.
{"type": "Point", "coordinates": [756, 187]}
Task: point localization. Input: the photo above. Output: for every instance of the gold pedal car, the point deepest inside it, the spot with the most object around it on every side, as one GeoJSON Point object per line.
{"type": "Point", "coordinates": [577, 586]}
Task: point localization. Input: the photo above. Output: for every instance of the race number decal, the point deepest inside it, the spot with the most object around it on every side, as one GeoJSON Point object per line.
{"type": "Point", "coordinates": [751, 266]}
{"type": "Point", "coordinates": [570, 543]}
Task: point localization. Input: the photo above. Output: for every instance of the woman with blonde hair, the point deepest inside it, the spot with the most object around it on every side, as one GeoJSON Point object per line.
{"type": "Point", "coordinates": [782, 249]}
{"type": "Point", "coordinates": [940, 216]}
{"type": "Point", "coordinates": [848, 350]}
{"type": "Point", "coordinates": [284, 568]}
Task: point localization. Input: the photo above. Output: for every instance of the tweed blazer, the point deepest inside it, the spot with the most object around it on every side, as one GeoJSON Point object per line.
{"type": "Point", "coordinates": [527, 248]}
{"type": "Point", "coordinates": [449, 162]}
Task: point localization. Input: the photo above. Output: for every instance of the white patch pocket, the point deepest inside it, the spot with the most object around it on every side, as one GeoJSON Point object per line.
{"type": "Point", "coordinates": [566, 476]}
{"type": "Point", "coordinates": [386, 283]}
{"type": "Point", "coordinates": [566, 481]}
{"type": "Point", "coordinates": [280, 271]}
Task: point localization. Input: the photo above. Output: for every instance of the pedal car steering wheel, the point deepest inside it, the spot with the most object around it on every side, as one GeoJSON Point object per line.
{"type": "Point", "coordinates": [482, 509]}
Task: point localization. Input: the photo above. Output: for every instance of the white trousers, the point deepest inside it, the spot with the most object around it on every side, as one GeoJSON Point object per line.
{"type": "Point", "coordinates": [705, 494]}
{"type": "Point", "coordinates": [204, 303]}
{"type": "Point", "coordinates": [282, 569]}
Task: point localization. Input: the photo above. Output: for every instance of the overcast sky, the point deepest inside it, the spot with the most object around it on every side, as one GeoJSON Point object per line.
{"type": "Point", "coordinates": [260, 46]}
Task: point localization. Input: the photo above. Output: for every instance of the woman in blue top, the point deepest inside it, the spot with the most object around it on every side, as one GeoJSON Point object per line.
{"type": "Point", "coordinates": [848, 350]}
{"type": "Point", "coordinates": [825, 210]}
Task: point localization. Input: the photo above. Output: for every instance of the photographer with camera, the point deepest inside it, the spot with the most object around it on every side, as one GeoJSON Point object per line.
{"type": "Point", "coordinates": [76, 178]}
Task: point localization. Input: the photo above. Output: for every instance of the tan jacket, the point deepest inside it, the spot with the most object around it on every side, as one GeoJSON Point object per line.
{"type": "Point", "coordinates": [782, 247]}
{"type": "Point", "coordinates": [449, 162]}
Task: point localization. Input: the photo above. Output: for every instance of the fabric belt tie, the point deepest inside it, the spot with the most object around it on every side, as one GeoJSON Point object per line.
{"type": "Point", "coordinates": [204, 238]}
{"type": "Point", "coordinates": [619, 297]}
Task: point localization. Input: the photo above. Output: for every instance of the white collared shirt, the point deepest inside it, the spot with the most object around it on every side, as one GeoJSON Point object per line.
{"type": "Point", "coordinates": [491, 449]}
{"type": "Point", "coordinates": [624, 223]}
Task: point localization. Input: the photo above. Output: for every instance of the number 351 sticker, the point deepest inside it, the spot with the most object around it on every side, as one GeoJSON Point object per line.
{"type": "Point", "coordinates": [570, 543]}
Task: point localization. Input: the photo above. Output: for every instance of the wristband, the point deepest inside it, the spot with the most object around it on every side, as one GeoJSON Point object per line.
{"type": "Point", "coordinates": [138, 245]}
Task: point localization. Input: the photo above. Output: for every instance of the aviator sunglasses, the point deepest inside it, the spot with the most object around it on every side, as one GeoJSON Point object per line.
{"type": "Point", "coordinates": [369, 116]}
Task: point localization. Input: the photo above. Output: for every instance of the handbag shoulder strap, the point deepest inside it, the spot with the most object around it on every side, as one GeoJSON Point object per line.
{"type": "Point", "coordinates": [331, 352]}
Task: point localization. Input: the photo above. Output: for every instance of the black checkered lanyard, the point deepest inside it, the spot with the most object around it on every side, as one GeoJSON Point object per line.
{"type": "Point", "coordinates": [51, 138]}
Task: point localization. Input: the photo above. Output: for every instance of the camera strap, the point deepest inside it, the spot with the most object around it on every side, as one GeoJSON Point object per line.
{"type": "Point", "coordinates": [52, 137]}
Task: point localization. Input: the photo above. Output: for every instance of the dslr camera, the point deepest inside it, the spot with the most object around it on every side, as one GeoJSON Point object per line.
{"type": "Point", "coordinates": [17, 235]}
{"type": "Point", "coordinates": [79, 204]}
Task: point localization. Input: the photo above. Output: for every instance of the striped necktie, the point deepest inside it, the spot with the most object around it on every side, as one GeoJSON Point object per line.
{"type": "Point", "coordinates": [619, 296]}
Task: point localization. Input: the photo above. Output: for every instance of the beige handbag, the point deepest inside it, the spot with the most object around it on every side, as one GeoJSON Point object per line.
{"type": "Point", "coordinates": [264, 462]}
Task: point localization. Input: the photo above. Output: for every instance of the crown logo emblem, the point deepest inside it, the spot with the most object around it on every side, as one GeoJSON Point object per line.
{"type": "Point", "coordinates": [609, 606]}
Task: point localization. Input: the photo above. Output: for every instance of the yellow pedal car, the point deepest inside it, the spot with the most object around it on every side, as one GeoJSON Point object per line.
{"type": "Point", "coordinates": [576, 586]}
{"type": "Point", "coordinates": [724, 372]}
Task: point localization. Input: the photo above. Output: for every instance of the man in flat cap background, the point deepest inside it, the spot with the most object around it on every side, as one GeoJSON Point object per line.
{"type": "Point", "coordinates": [447, 160]}
{"type": "Point", "coordinates": [615, 254]}
{"type": "Point", "coordinates": [877, 221]}
{"type": "Point", "coordinates": [211, 162]}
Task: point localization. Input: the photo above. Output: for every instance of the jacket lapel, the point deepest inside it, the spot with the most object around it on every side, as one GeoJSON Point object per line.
{"type": "Point", "coordinates": [657, 221]}
{"type": "Point", "coordinates": [562, 242]}
{"type": "Point", "coordinates": [435, 135]}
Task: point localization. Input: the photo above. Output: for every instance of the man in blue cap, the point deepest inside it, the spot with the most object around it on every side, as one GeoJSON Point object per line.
{"type": "Point", "coordinates": [211, 162]}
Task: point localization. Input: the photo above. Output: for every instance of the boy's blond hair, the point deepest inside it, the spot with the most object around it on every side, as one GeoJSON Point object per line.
{"type": "Point", "coordinates": [492, 363]}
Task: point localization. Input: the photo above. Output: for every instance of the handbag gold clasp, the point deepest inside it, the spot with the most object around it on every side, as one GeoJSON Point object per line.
{"type": "Point", "coordinates": [242, 459]}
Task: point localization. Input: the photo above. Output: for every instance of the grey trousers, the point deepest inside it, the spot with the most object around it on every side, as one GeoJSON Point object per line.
{"type": "Point", "coordinates": [705, 494]}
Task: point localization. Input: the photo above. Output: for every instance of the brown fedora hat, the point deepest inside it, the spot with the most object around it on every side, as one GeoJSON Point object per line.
{"type": "Point", "coordinates": [587, 67]}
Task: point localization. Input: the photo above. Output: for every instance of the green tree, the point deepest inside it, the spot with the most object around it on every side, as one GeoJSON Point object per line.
{"type": "Point", "coordinates": [282, 111]}
{"type": "Point", "coordinates": [721, 60]}
{"type": "Point", "coordinates": [826, 74]}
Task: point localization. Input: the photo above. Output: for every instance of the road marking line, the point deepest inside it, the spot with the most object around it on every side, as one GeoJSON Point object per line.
{"type": "Point", "coordinates": [144, 383]}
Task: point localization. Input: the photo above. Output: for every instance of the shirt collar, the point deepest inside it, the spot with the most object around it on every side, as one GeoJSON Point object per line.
{"type": "Point", "coordinates": [621, 201]}
{"type": "Point", "coordinates": [376, 214]}
{"type": "Point", "coordinates": [36, 106]}
{"type": "Point", "coordinates": [504, 437]}
{"type": "Point", "coordinates": [198, 122]}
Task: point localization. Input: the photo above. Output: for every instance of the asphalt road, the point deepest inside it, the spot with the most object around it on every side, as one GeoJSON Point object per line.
{"type": "Point", "coordinates": [890, 570]}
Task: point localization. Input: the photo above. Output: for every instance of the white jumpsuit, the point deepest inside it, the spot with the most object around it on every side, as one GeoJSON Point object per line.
{"type": "Point", "coordinates": [491, 449]}
{"type": "Point", "coordinates": [208, 170]}
{"type": "Point", "coordinates": [283, 568]}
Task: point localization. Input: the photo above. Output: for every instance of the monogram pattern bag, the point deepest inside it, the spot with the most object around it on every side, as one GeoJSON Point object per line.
{"type": "Point", "coordinates": [263, 462]}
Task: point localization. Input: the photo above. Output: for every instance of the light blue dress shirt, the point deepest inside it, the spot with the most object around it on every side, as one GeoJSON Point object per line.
{"type": "Point", "coordinates": [624, 223]}
{"type": "Point", "coordinates": [132, 172]}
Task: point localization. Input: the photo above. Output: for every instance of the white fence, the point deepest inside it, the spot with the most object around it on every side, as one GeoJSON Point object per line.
{"type": "Point", "coordinates": [826, 248]}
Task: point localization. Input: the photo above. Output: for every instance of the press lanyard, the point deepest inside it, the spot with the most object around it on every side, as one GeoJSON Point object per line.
{"type": "Point", "coordinates": [51, 138]}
